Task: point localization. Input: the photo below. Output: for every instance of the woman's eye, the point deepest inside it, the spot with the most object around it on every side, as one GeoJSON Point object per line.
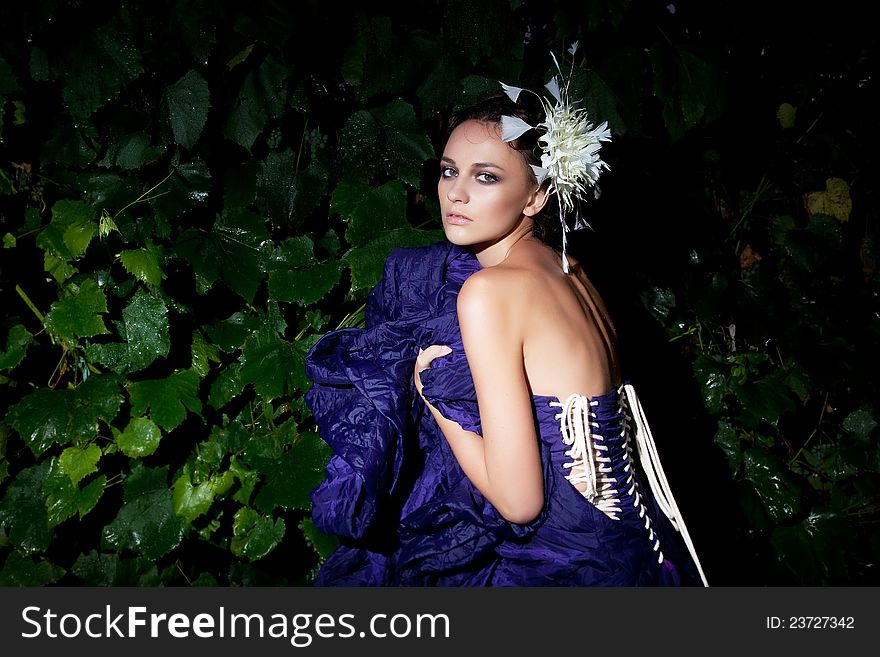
{"type": "Point", "coordinates": [486, 178]}
{"type": "Point", "coordinates": [447, 172]}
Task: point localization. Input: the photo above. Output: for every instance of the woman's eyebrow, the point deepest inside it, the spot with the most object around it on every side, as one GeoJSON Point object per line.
{"type": "Point", "coordinates": [475, 165]}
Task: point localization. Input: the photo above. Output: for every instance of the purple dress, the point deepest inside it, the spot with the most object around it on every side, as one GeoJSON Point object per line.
{"type": "Point", "coordinates": [394, 494]}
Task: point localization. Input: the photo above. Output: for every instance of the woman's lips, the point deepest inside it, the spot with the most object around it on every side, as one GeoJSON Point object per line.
{"type": "Point", "coordinates": [457, 219]}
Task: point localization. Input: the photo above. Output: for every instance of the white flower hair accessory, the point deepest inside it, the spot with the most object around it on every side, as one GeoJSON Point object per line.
{"type": "Point", "coordinates": [569, 145]}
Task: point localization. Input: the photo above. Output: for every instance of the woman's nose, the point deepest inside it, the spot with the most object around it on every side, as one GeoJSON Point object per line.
{"type": "Point", "coordinates": [456, 191]}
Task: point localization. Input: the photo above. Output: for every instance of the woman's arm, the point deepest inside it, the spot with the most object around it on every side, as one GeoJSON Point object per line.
{"type": "Point", "coordinates": [505, 464]}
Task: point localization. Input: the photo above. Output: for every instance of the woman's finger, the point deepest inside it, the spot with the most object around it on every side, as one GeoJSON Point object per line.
{"type": "Point", "coordinates": [429, 354]}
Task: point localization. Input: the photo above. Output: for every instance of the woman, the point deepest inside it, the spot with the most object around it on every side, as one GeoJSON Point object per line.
{"type": "Point", "coordinates": [481, 433]}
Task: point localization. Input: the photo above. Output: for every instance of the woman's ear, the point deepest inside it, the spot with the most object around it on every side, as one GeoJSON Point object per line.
{"type": "Point", "coordinates": [537, 201]}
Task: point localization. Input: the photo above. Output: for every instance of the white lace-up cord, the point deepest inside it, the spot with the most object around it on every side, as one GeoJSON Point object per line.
{"type": "Point", "coordinates": [587, 466]}
{"type": "Point", "coordinates": [650, 460]}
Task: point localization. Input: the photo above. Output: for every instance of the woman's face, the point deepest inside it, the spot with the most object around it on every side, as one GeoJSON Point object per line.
{"type": "Point", "coordinates": [485, 189]}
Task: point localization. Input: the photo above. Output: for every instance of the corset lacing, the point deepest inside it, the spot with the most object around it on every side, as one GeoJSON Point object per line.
{"type": "Point", "coordinates": [590, 464]}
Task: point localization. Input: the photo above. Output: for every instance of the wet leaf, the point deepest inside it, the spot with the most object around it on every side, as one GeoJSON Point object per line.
{"type": "Point", "coordinates": [815, 549]}
{"type": "Point", "coordinates": [860, 423]}
{"type": "Point", "coordinates": [191, 501]}
{"type": "Point", "coordinates": [143, 264]}
{"type": "Point", "coordinates": [273, 365]}
{"type": "Point", "coordinates": [17, 341]}
{"type": "Point", "coordinates": [145, 331]}
{"type": "Point", "coordinates": [168, 399]}
{"type": "Point", "coordinates": [237, 250]}
{"type": "Point", "coordinates": [64, 499]}
{"type": "Point", "coordinates": [187, 102]}
{"type": "Point", "coordinates": [48, 416]}
{"type": "Point", "coordinates": [782, 498]}
{"type": "Point", "coordinates": [254, 535]}
{"type": "Point", "coordinates": [306, 285]}
{"type": "Point", "coordinates": [78, 315]}
{"type": "Point", "coordinates": [146, 523]}
{"type": "Point", "coordinates": [112, 570]}
{"type": "Point", "coordinates": [290, 195]}
{"type": "Point", "coordinates": [23, 511]}
{"type": "Point", "coordinates": [711, 375]}
{"type": "Point", "coordinates": [728, 440]}
{"type": "Point", "coordinates": [23, 570]}
{"type": "Point", "coordinates": [140, 438]}
{"type": "Point", "coordinates": [79, 462]}
{"type": "Point", "coordinates": [290, 478]}
{"type": "Point", "coordinates": [369, 211]}
{"type": "Point", "coordinates": [263, 97]}
{"type": "Point", "coordinates": [323, 544]}
{"type": "Point", "coordinates": [203, 354]}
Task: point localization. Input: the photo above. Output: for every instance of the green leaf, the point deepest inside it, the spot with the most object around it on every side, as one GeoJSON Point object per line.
{"type": "Point", "coordinates": [323, 544]}
{"type": "Point", "coordinates": [112, 570]}
{"type": "Point", "coordinates": [263, 97]}
{"type": "Point", "coordinates": [143, 264]}
{"type": "Point", "coordinates": [290, 478]}
{"type": "Point", "coordinates": [79, 462]}
{"type": "Point", "coordinates": [78, 236]}
{"type": "Point", "coordinates": [861, 423]}
{"type": "Point", "coordinates": [274, 366]}
{"type": "Point", "coordinates": [389, 139]}
{"type": "Point", "coordinates": [17, 341]}
{"type": "Point", "coordinates": [782, 498]}
{"type": "Point", "coordinates": [254, 535]}
{"type": "Point", "coordinates": [369, 211]}
{"type": "Point", "coordinates": [689, 87]}
{"type": "Point", "coordinates": [203, 353]}
{"type": "Point", "coordinates": [408, 147]}
{"type": "Point", "coordinates": [307, 285]}
{"type": "Point", "coordinates": [189, 186]}
{"type": "Point", "coordinates": [168, 398]}
{"type": "Point", "coordinates": [367, 262]}
{"type": "Point", "coordinates": [815, 550]}
{"type": "Point", "coordinates": [48, 416]}
{"type": "Point", "coordinates": [711, 375]}
{"type": "Point", "coordinates": [98, 66]}
{"type": "Point", "coordinates": [8, 83]}
{"type": "Point", "coordinates": [79, 314]}
{"type": "Point", "coordinates": [229, 334]}
{"type": "Point", "coordinates": [145, 331]}
{"type": "Point", "coordinates": [237, 250]}
{"type": "Point", "coordinates": [140, 438]}
{"type": "Point", "coordinates": [64, 499]}
{"type": "Point", "coordinates": [292, 253]}
{"type": "Point", "coordinates": [226, 386]}
{"type": "Point", "coordinates": [728, 440]}
{"type": "Point", "coordinates": [290, 195]}
{"type": "Point", "coordinates": [146, 523]}
{"type": "Point", "coordinates": [247, 478]}
{"type": "Point", "coordinates": [58, 267]}
{"type": "Point", "coordinates": [22, 570]}
{"type": "Point", "coordinates": [23, 511]}
{"type": "Point", "coordinates": [767, 399]}
{"type": "Point", "coordinates": [187, 102]}
{"type": "Point", "coordinates": [191, 501]}
{"type": "Point", "coordinates": [134, 151]}
{"type": "Point", "coordinates": [72, 227]}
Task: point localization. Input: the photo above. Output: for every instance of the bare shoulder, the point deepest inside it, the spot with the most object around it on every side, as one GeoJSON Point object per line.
{"type": "Point", "coordinates": [496, 289]}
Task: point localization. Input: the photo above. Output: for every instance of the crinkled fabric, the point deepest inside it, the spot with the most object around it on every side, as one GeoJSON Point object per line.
{"type": "Point", "coordinates": [394, 494]}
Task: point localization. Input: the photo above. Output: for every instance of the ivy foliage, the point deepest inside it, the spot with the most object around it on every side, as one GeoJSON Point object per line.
{"type": "Point", "coordinates": [190, 198]}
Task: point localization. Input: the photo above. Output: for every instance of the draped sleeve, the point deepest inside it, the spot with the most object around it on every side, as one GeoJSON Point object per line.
{"type": "Point", "coordinates": [393, 491]}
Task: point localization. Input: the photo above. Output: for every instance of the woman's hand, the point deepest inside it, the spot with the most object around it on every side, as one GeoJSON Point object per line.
{"type": "Point", "coordinates": [424, 359]}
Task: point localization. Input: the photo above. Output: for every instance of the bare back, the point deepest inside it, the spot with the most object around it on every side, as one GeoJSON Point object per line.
{"type": "Point", "coordinates": [569, 343]}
